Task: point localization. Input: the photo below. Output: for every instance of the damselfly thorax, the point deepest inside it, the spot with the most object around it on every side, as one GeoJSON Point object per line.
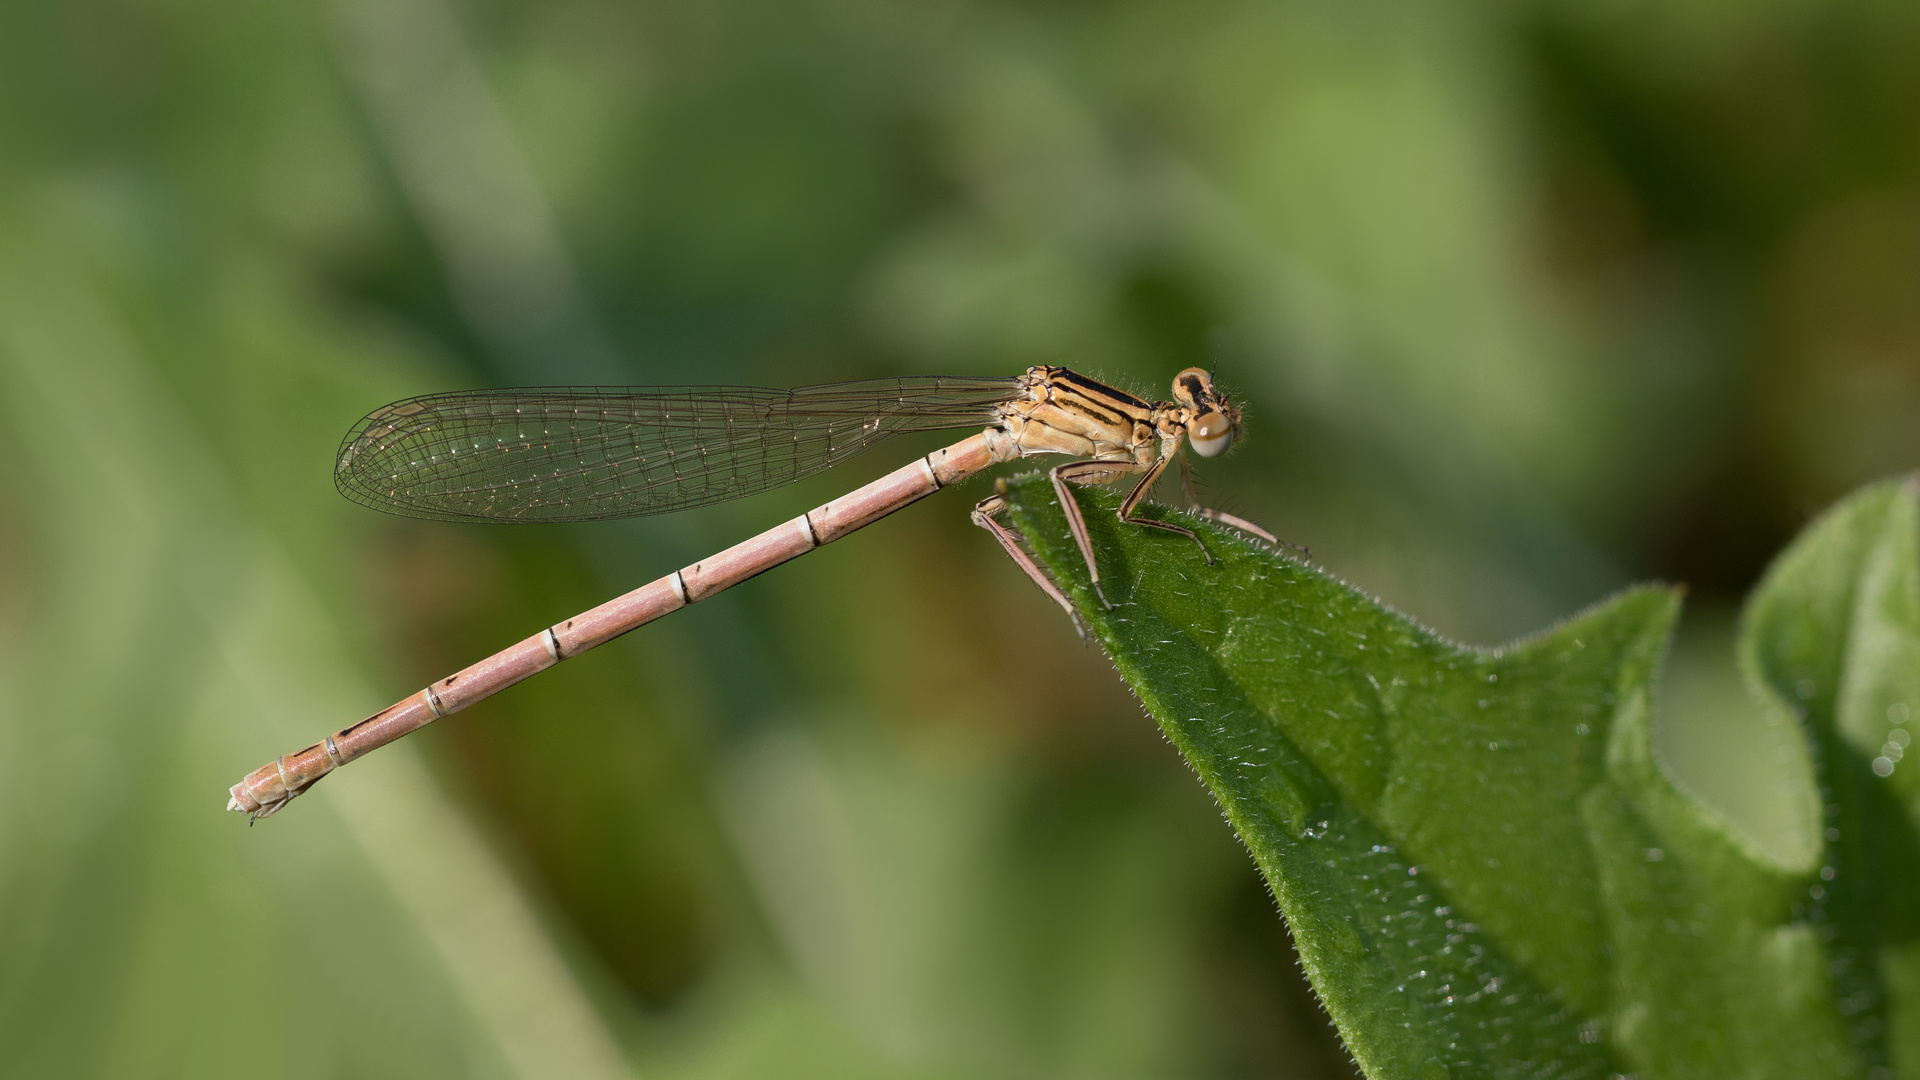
{"type": "Point", "coordinates": [1061, 412]}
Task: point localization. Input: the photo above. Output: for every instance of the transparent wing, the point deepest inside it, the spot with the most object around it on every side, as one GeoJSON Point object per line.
{"type": "Point", "coordinates": [587, 453]}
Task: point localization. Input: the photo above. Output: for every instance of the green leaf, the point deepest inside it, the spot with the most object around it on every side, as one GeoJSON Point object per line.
{"type": "Point", "coordinates": [1833, 636]}
{"type": "Point", "coordinates": [1485, 870]}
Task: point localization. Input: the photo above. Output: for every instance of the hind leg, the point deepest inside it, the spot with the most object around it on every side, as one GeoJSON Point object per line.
{"type": "Point", "coordinates": [987, 515]}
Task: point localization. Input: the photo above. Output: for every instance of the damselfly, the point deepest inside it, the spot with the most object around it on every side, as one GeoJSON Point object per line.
{"type": "Point", "coordinates": [573, 454]}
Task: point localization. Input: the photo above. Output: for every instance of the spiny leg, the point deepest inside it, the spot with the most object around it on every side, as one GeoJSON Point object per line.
{"type": "Point", "coordinates": [1139, 493]}
{"type": "Point", "coordinates": [987, 515]}
{"type": "Point", "coordinates": [1233, 521]}
{"type": "Point", "coordinates": [1186, 485]}
{"type": "Point", "coordinates": [1221, 517]}
{"type": "Point", "coordinates": [1087, 472]}
{"type": "Point", "coordinates": [1105, 472]}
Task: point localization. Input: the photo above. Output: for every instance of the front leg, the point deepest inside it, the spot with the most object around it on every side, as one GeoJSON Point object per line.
{"type": "Point", "coordinates": [1221, 517]}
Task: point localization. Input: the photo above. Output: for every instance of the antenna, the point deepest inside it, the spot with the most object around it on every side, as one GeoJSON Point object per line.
{"type": "Point", "coordinates": [1221, 337]}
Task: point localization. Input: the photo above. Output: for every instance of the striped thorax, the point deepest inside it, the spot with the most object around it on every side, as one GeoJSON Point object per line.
{"type": "Point", "coordinates": [1061, 412]}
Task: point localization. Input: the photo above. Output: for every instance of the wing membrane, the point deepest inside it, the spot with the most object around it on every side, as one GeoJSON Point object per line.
{"type": "Point", "coordinates": [588, 453]}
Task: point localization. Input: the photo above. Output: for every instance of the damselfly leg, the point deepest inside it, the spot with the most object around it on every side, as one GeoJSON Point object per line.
{"type": "Point", "coordinates": [1106, 472]}
{"type": "Point", "coordinates": [986, 514]}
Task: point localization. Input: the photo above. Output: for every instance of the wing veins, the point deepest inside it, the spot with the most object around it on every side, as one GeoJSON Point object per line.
{"type": "Point", "coordinates": [583, 454]}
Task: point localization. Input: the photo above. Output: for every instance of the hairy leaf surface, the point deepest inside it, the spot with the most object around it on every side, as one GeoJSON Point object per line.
{"type": "Point", "coordinates": [1485, 870]}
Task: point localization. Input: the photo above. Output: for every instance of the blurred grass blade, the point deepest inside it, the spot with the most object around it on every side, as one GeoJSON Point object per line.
{"type": "Point", "coordinates": [175, 634]}
{"type": "Point", "coordinates": [1483, 866]}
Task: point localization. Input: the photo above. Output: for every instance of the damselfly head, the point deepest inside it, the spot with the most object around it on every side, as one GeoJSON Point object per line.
{"type": "Point", "coordinates": [1212, 420]}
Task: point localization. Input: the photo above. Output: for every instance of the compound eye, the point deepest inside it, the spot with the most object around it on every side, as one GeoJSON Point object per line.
{"type": "Point", "coordinates": [1210, 434]}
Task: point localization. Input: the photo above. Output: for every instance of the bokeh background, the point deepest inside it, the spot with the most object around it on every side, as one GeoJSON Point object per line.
{"type": "Point", "coordinates": [1525, 301]}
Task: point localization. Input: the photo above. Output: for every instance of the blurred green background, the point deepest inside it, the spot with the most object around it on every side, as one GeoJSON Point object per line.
{"type": "Point", "coordinates": [1525, 302]}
